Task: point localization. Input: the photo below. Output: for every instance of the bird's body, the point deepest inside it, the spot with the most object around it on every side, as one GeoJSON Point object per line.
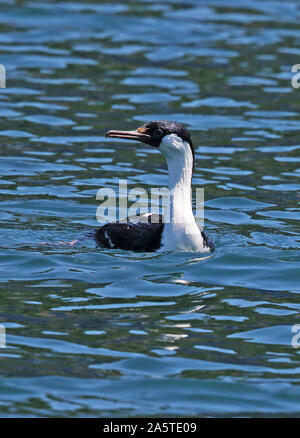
{"type": "Point", "coordinates": [179, 232]}
{"type": "Point", "coordinates": [140, 236]}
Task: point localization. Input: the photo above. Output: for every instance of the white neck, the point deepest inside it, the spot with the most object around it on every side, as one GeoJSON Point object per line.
{"type": "Point", "coordinates": [180, 230]}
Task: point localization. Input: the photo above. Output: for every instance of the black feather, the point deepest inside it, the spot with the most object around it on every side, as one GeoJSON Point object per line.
{"type": "Point", "coordinates": [207, 240]}
{"type": "Point", "coordinates": [143, 236]}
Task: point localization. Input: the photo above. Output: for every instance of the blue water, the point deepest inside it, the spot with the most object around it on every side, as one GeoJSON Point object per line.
{"type": "Point", "coordinates": [93, 332]}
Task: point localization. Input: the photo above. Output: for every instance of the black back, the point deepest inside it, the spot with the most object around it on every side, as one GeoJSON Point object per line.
{"type": "Point", "coordinates": [142, 236]}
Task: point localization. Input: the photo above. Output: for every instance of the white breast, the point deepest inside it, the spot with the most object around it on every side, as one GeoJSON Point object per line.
{"type": "Point", "coordinates": [182, 237]}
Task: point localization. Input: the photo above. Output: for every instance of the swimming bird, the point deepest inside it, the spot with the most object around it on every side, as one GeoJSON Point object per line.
{"type": "Point", "coordinates": [180, 232]}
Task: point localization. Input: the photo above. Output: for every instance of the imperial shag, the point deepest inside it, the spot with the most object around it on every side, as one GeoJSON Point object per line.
{"type": "Point", "coordinates": [180, 232]}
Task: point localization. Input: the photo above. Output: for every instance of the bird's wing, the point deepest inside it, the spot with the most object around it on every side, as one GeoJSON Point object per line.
{"type": "Point", "coordinates": [142, 236]}
{"type": "Point", "coordinates": [207, 240]}
{"type": "Point", "coordinates": [151, 218]}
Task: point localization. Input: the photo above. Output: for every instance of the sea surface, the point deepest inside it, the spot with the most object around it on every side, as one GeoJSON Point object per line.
{"type": "Point", "coordinates": [97, 332]}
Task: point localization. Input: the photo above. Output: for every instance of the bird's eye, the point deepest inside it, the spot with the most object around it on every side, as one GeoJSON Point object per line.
{"type": "Point", "coordinates": [158, 133]}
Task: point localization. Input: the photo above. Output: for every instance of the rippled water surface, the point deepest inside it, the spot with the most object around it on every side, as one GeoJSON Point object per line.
{"type": "Point", "coordinates": [94, 332]}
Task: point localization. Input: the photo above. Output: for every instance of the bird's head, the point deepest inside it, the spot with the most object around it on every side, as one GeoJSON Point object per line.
{"type": "Point", "coordinates": [171, 138]}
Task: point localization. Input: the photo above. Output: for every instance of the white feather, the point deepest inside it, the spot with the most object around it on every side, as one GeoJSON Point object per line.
{"type": "Point", "coordinates": [181, 231]}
